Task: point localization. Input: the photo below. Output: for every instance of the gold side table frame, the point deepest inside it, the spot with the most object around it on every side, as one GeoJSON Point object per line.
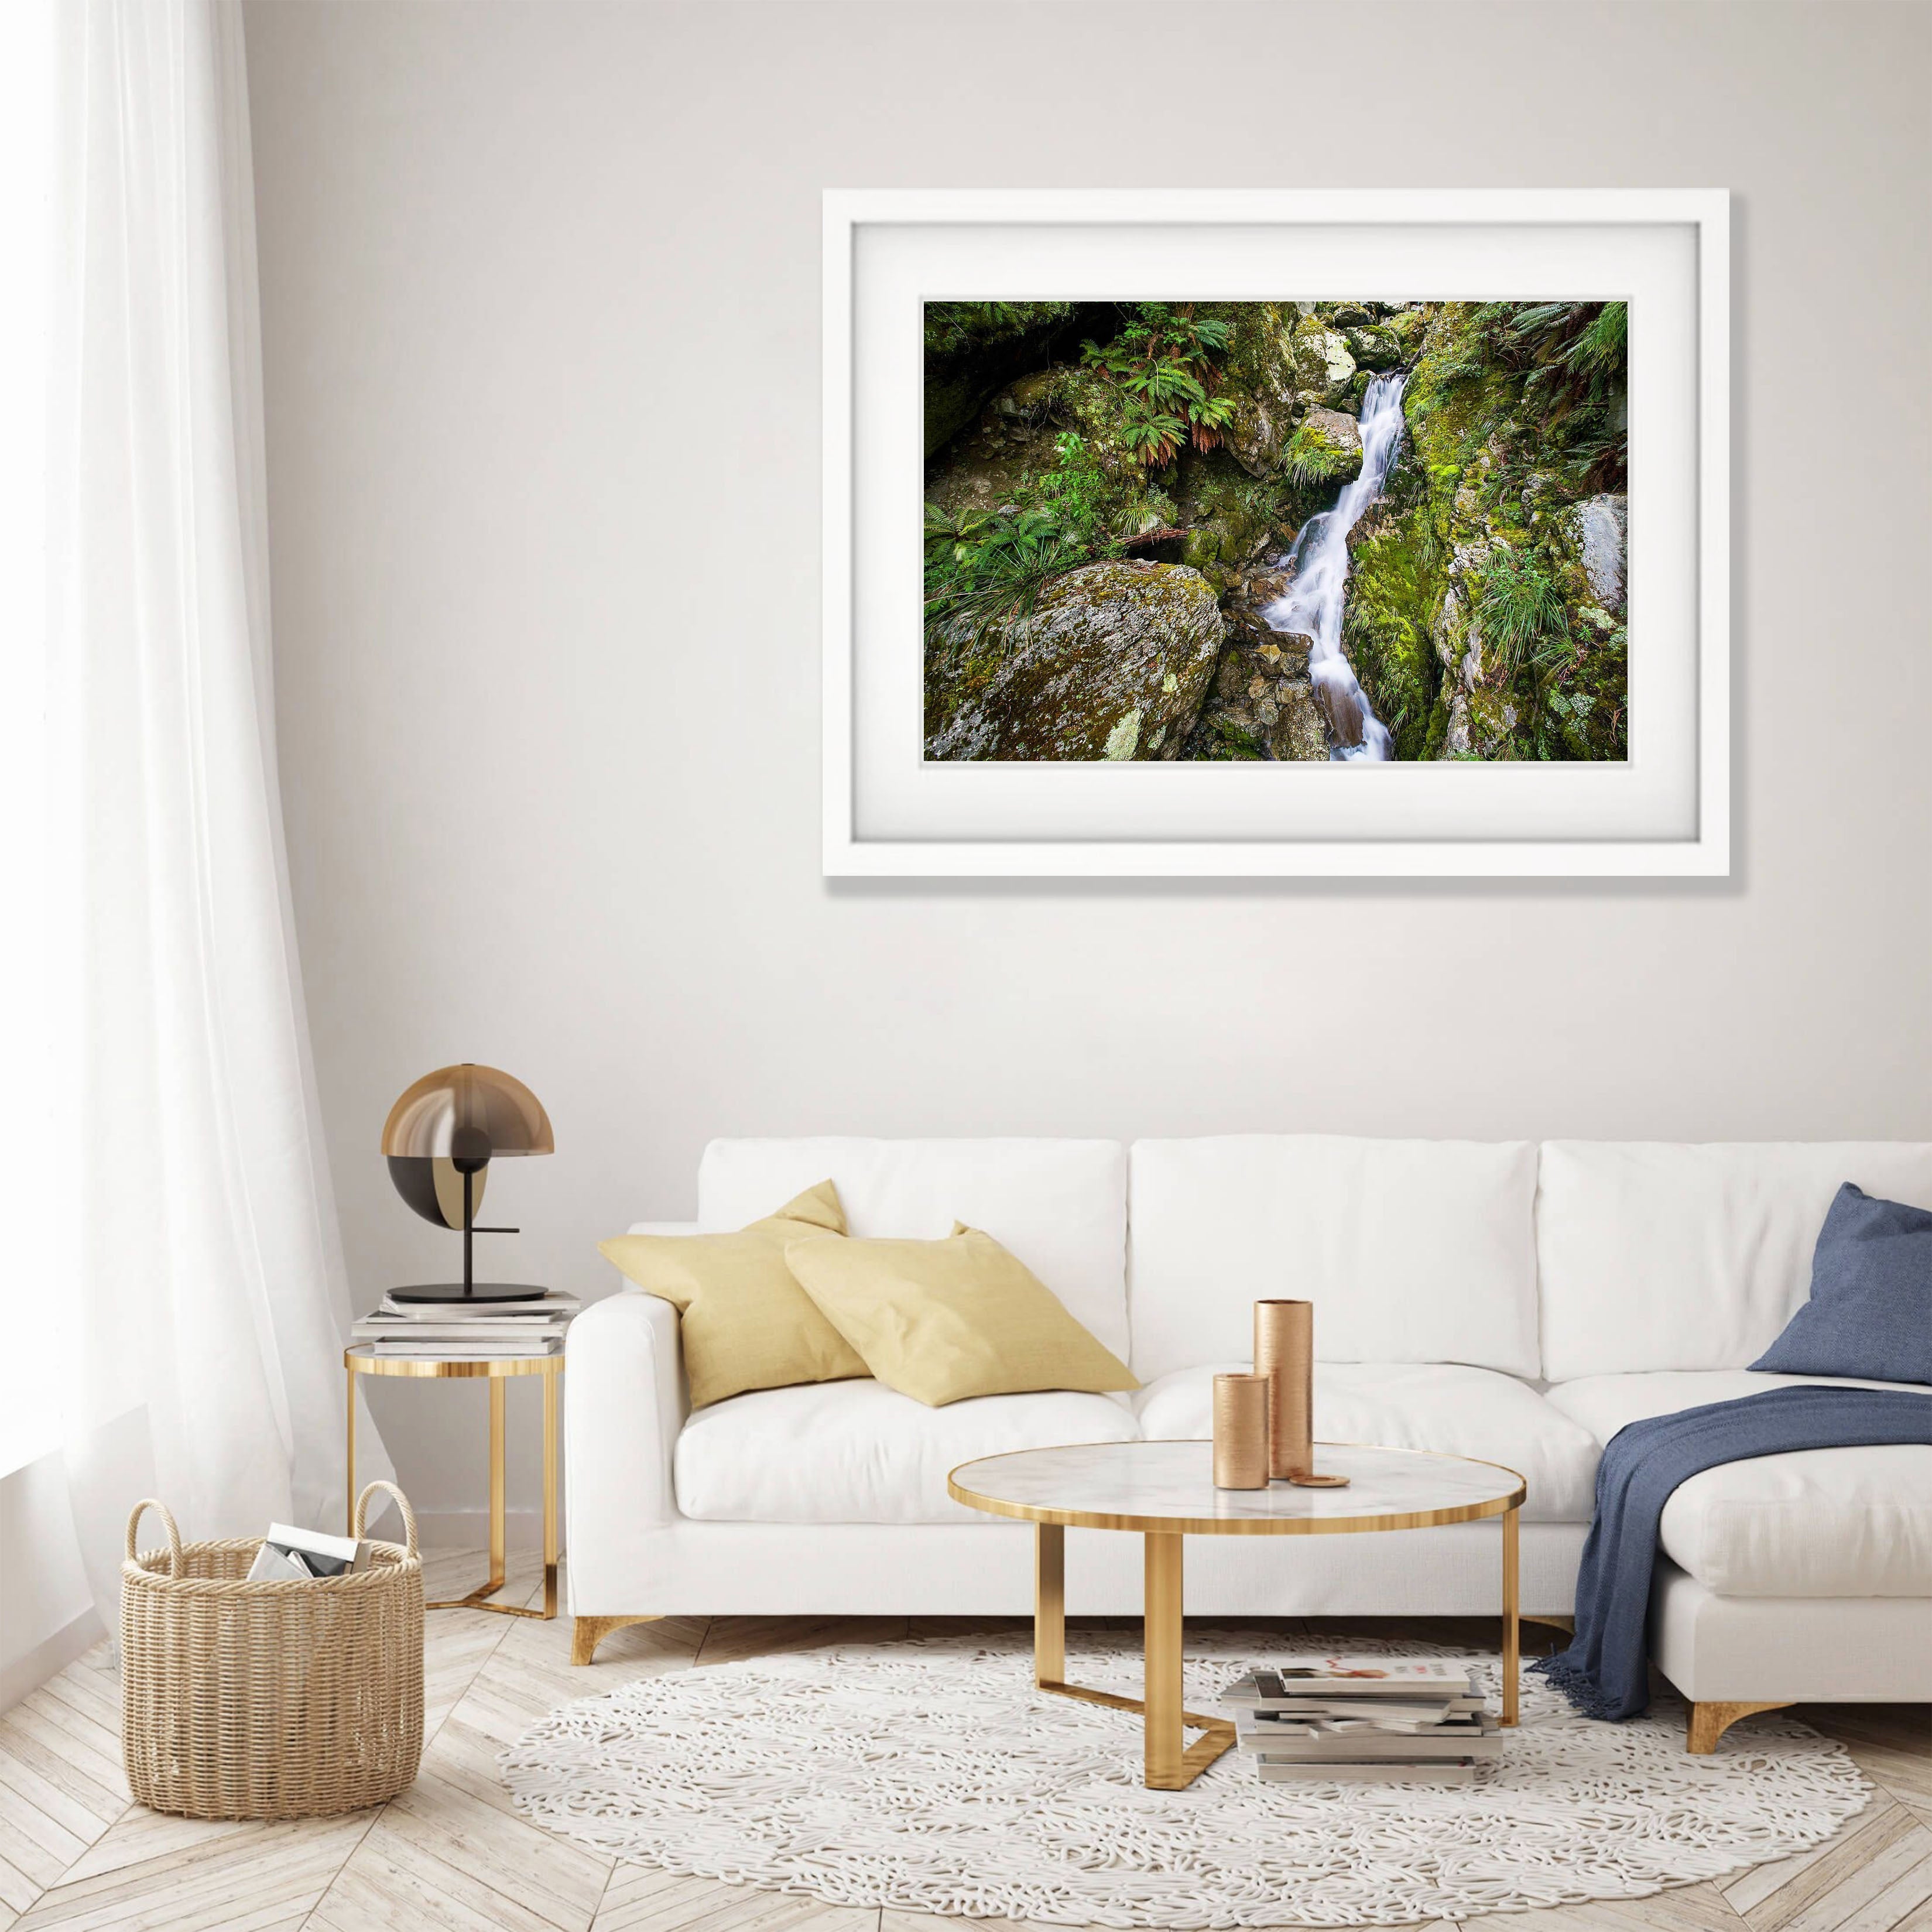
{"type": "Point", "coordinates": [363, 1361]}
{"type": "Point", "coordinates": [1171, 1763]}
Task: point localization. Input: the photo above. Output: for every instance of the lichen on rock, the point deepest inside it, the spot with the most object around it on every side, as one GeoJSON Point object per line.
{"type": "Point", "coordinates": [1113, 663]}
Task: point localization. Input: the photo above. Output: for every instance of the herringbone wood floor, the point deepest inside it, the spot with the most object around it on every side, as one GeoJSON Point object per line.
{"type": "Point", "coordinates": [451, 1852]}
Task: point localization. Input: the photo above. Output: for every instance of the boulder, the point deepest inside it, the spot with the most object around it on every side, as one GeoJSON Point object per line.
{"type": "Point", "coordinates": [1298, 736]}
{"type": "Point", "coordinates": [1598, 528]}
{"type": "Point", "coordinates": [1291, 651]}
{"type": "Point", "coordinates": [1406, 327]}
{"type": "Point", "coordinates": [1027, 400]}
{"type": "Point", "coordinates": [1336, 439]}
{"type": "Point", "coordinates": [1323, 367]}
{"type": "Point", "coordinates": [1113, 663]}
{"type": "Point", "coordinates": [1254, 436]}
{"type": "Point", "coordinates": [1376, 347]}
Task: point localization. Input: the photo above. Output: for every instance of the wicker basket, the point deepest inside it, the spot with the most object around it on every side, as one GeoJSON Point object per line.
{"type": "Point", "coordinates": [269, 1700]}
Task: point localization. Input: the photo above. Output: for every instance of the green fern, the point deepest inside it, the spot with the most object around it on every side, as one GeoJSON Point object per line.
{"type": "Point", "coordinates": [1165, 360]}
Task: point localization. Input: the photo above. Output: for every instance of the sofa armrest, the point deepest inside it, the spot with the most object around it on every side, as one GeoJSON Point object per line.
{"type": "Point", "coordinates": [625, 1405]}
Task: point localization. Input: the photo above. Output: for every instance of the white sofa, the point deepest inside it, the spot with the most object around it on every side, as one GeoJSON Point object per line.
{"type": "Point", "coordinates": [1506, 1300]}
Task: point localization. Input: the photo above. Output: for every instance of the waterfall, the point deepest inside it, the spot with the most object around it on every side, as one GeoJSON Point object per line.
{"type": "Point", "coordinates": [1312, 605]}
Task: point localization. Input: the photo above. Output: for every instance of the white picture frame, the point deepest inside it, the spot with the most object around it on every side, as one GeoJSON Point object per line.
{"type": "Point", "coordinates": [888, 812]}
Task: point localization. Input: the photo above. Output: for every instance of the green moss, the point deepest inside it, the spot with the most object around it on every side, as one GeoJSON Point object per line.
{"type": "Point", "coordinates": [1395, 585]}
{"type": "Point", "coordinates": [1437, 733]}
{"type": "Point", "coordinates": [1227, 740]}
{"type": "Point", "coordinates": [959, 329]}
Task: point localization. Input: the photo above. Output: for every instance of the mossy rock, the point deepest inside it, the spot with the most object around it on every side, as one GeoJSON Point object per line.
{"type": "Point", "coordinates": [1396, 587]}
{"type": "Point", "coordinates": [1324, 367]}
{"type": "Point", "coordinates": [1376, 347]}
{"type": "Point", "coordinates": [1113, 664]}
{"type": "Point", "coordinates": [1328, 444]}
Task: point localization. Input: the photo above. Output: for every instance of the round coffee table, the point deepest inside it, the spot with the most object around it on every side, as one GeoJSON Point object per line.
{"type": "Point", "coordinates": [1166, 1490]}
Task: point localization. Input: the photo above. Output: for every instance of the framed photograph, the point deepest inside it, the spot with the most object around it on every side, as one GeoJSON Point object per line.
{"type": "Point", "coordinates": [1324, 534]}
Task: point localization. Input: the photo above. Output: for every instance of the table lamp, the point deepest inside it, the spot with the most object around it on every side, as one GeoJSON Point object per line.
{"type": "Point", "coordinates": [439, 1140]}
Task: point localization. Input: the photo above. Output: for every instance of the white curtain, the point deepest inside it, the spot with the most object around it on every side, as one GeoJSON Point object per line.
{"type": "Point", "coordinates": [206, 1284]}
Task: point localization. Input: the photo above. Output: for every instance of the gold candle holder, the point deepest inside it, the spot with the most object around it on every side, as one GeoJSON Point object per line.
{"type": "Point", "coordinates": [1285, 1354]}
{"type": "Point", "coordinates": [1241, 1431]}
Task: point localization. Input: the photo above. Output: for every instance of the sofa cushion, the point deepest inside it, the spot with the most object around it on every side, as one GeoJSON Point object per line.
{"type": "Point", "coordinates": [743, 1320]}
{"type": "Point", "coordinates": [944, 1321]}
{"type": "Point", "coordinates": [1812, 1522]}
{"type": "Point", "coordinates": [1405, 1405]}
{"type": "Point", "coordinates": [1411, 1251]}
{"type": "Point", "coordinates": [1655, 1256]}
{"type": "Point", "coordinates": [859, 1452]}
{"type": "Point", "coordinates": [1059, 1205]}
{"type": "Point", "coordinates": [1871, 1308]}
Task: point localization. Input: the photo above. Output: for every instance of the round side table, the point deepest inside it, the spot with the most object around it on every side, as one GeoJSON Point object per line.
{"type": "Point", "coordinates": [363, 1360]}
{"type": "Point", "coordinates": [1166, 1491]}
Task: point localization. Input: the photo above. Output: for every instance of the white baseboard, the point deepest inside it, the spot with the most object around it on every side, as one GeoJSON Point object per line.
{"type": "Point", "coordinates": [469, 1529]}
{"type": "Point", "coordinates": [25, 1675]}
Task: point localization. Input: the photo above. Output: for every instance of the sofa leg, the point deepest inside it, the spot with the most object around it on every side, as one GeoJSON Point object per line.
{"type": "Point", "coordinates": [1709, 1722]}
{"type": "Point", "coordinates": [590, 1632]}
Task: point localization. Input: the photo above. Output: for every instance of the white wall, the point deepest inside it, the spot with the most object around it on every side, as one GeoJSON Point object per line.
{"type": "Point", "coordinates": [540, 287]}
{"type": "Point", "coordinates": [47, 1614]}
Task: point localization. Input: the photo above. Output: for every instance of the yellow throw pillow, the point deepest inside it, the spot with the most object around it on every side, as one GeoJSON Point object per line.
{"type": "Point", "coordinates": [745, 1322]}
{"type": "Point", "coordinates": [941, 1321]}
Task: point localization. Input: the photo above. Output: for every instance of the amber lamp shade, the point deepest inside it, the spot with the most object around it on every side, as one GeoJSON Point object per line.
{"type": "Point", "coordinates": [439, 1139]}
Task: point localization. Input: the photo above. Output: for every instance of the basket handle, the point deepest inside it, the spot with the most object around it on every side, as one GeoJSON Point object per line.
{"type": "Point", "coordinates": [402, 1503]}
{"type": "Point", "coordinates": [167, 1523]}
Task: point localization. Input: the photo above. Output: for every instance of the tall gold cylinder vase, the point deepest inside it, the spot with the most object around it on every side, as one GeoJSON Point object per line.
{"type": "Point", "coordinates": [1285, 1354]}
{"type": "Point", "coordinates": [1241, 1431]}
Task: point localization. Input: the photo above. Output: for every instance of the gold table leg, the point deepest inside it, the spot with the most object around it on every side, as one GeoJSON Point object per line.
{"type": "Point", "coordinates": [1512, 1629]}
{"type": "Point", "coordinates": [498, 1507]}
{"type": "Point", "coordinates": [549, 1495]}
{"type": "Point", "coordinates": [1049, 1605]}
{"type": "Point", "coordinates": [348, 1501]}
{"type": "Point", "coordinates": [1169, 1767]}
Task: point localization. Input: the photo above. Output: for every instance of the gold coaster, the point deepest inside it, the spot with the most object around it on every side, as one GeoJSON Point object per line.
{"type": "Point", "coordinates": [1313, 1481]}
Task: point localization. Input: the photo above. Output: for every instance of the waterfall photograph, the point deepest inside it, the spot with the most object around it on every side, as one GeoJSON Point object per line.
{"type": "Point", "coordinates": [1323, 531]}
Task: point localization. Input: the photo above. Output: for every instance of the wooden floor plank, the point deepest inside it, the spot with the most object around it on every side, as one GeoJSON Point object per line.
{"type": "Point", "coordinates": [1899, 1900]}
{"type": "Point", "coordinates": [276, 1870]}
{"type": "Point", "coordinates": [540, 1871]}
{"type": "Point", "coordinates": [33, 1761]}
{"type": "Point", "coordinates": [1826, 1895]}
{"type": "Point", "coordinates": [42, 1855]}
{"type": "Point", "coordinates": [154, 1841]}
{"type": "Point", "coordinates": [81, 1743]}
{"type": "Point", "coordinates": [19, 1888]}
{"type": "Point", "coordinates": [21, 1781]}
{"type": "Point", "coordinates": [390, 1882]}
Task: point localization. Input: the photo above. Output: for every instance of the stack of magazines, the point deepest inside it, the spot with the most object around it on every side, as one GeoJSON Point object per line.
{"type": "Point", "coordinates": [469, 1331]}
{"type": "Point", "coordinates": [1406, 1721]}
{"type": "Point", "coordinates": [289, 1555]}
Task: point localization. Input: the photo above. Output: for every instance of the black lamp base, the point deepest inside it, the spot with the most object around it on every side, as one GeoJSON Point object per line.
{"type": "Point", "coordinates": [454, 1293]}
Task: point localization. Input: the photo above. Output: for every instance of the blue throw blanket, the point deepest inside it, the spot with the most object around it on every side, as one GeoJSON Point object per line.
{"type": "Point", "coordinates": [1603, 1672]}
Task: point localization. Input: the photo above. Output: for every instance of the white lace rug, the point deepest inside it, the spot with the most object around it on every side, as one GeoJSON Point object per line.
{"type": "Point", "coordinates": [932, 1776]}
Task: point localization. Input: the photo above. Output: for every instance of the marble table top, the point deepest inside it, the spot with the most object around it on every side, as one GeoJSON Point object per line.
{"type": "Point", "coordinates": [1169, 1487]}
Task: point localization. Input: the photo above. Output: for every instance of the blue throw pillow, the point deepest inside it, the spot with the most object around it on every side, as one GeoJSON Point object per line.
{"type": "Point", "coordinates": [1870, 1310]}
